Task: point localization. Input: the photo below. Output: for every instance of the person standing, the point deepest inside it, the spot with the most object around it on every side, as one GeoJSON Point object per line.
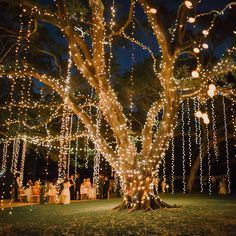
{"type": "Point", "coordinates": [106, 187]}
{"type": "Point", "coordinates": [100, 186]}
{"type": "Point", "coordinates": [65, 194]}
{"type": "Point", "coordinates": [78, 182]}
{"type": "Point", "coordinates": [72, 188]}
{"type": "Point", "coordinates": [16, 186]}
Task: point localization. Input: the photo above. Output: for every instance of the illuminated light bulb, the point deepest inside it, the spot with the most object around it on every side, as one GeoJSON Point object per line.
{"type": "Point", "coordinates": [205, 32]}
{"type": "Point", "coordinates": [153, 10]}
{"type": "Point", "coordinates": [188, 4]}
{"type": "Point", "coordinates": [198, 114]}
{"type": "Point", "coordinates": [206, 121]}
{"type": "Point", "coordinates": [204, 116]}
{"type": "Point", "coordinates": [205, 45]}
{"type": "Point", "coordinates": [191, 20]}
{"type": "Point", "coordinates": [212, 87]}
{"type": "Point", "coordinates": [210, 93]}
{"type": "Point", "coordinates": [195, 74]}
{"type": "Point", "coordinates": [196, 50]}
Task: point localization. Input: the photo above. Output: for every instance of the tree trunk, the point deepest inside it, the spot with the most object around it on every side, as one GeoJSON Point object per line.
{"type": "Point", "coordinates": [140, 192]}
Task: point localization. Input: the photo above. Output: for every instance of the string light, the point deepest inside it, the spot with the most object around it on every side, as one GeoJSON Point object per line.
{"type": "Point", "coordinates": [214, 129]}
{"type": "Point", "coordinates": [208, 159]}
{"type": "Point", "coordinates": [188, 4]}
{"type": "Point", "coordinates": [15, 155]}
{"type": "Point", "coordinates": [65, 129]}
{"type": "Point", "coordinates": [23, 155]}
{"type": "Point", "coordinates": [183, 146]}
{"type": "Point", "coordinates": [172, 165]}
{"type": "Point", "coordinates": [124, 153]}
{"type": "Point", "coordinates": [77, 145]}
{"type": "Point", "coordinates": [4, 156]}
{"type": "Point", "coordinates": [200, 157]}
{"type": "Point", "coordinates": [226, 145]}
{"type": "Point", "coordinates": [189, 133]}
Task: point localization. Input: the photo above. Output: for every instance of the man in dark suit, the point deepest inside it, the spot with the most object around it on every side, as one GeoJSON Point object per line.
{"type": "Point", "coordinates": [78, 182]}
{"type": "Point", "coordinates": [72, 188]}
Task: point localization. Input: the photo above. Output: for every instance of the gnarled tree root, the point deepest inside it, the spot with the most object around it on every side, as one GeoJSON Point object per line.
{"type": "Point", "coordinates": [149, 204]}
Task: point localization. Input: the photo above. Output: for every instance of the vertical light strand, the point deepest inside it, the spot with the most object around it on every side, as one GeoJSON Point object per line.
{"type": "Point", "coordinates": [16, 68]}
{"type": "Point", "coordinates": [4, 169]}
{"type": "Point", "coordinates": [86, 147]}
{"type": "Point", "coordinates": [15, 155]}
{"type": "Point", "coordinates": [226, 145]}
{"type": "Point", "coordinates": [214, 129]}
{"type": "Point", "coordinates": [172, 165]}
{"type": "Point", "coordinates": [25, 91]}
{"type": "Point", "coordinates": [23, 155]}
{"type": "Point", "coordinates": [183, 146]}
{"type": "Point", "coordinates": [110, 40]}
{"type": "Point", "coordinates": [189, 133]}
{"type": "Point", "coordinates": [164, 168]}
{"type": "Point", "coordinates": [208, 159]}
{"type": "Point", "coordinates": [132, 71]}
{"type": "Point", "coordinates": [65, 128]}
{"type": "Point", "coordinates": [77, 145]}
{"type": "Point", "coordinates": [233, 118]}
{"type": "Point", "coordinates": [4, 156]}
{"type": "Point", "coordinates": [195, 107]}
{"type": "Point", "coordinates": [199, 138]}
{"type": "Point", "coordinates": [69, 144]}
{"type": "Point", "coordinates": [47, 159]}
{"type": "Point", "coordinates": [200, 158]}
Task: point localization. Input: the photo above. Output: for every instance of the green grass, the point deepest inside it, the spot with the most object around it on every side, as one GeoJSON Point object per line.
{"type": "Point", "coordinates": [198, 215]}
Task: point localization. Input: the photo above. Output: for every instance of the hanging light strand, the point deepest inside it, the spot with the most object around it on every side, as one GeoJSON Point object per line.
{"type": "Point", "coordinates": [208, 160]}
{"type": "Point", "coordinates": [183, 147]}
{"type": "Point", "coordinates": [214, 129]}
{"type": "Point", "coordinates": [77, 145]}
{"type": "Point", "coordinates": [23, 155]}
{"type": "Point", "coordinates": [15, 155]}
{"type": "Point", "coordinates": [172, 165]}
{"type": "Point", "coordinates": [226, 145]}
{"type": "Point", "coordinates": [189, 133]}
{"type": "Point", "coordinates": [4, 156]}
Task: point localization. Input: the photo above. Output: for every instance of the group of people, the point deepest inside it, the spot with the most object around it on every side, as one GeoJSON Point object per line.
{"type": "Point", "coordinates": [76, 189]}
{"type": "Point", "coordinates": [73, 188]}
{"type": "Point", "coordinates": [34, 192]}
{"type": "Point", "coordinates": [104, 186]}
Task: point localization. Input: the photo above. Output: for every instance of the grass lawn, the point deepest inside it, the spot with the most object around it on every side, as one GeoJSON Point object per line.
{"type": "Point", "coordinates": [198, 215]}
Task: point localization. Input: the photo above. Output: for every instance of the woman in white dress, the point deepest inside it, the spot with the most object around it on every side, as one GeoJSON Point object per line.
{"type": "Point", "coordinates": [65, 194]}
{"type": "Point", "coordinates": [28, 190]}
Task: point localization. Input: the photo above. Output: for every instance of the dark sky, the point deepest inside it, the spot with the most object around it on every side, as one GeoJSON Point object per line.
{"type": "Point", "coordinates": [123, 54]}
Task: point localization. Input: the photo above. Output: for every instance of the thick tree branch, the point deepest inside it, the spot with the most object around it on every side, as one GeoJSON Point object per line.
{"type": "Point", "coordinates": [147, 130]}
{"type": "Point", "coordinates": [129, 19]}
{"type": "Point", "coordinates": [158, 29]}
{"type": "Point", "coordinates": [49, 81]}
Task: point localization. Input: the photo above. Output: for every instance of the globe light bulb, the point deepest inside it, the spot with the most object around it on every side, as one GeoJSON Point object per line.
{"type": "Point", "coordinates": [204, 116]}
{"type": "Point", "coordinates": [196, 50]}
{"type": "Point", "coordinates": [206, 121]}
{"type": "Point", "coordinates": [188, 4]}
{"type": "Point", "coordinates": [198, 114]}
{"type": "Point", "coordinates": [212, 87]}
{"type": "Point", "coordinates": [153, 10]}
{"type": "Point", "coordinates": [210, 93]}
{"type": "Point", "coordinates": [205, 32]}
{"type": "Point", "coordinates": [195, 74]}
{"type": "Point", "coordinates": [205, 45]}
{"type": "Point", "coordinates": [191, 20]}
